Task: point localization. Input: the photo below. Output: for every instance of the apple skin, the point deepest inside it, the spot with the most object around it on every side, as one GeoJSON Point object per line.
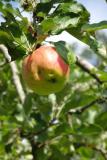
{"type": "Point", "coordinates": [44, 71]}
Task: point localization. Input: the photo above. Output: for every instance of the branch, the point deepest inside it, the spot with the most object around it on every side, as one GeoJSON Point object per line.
{"type": "Point", "coordinates": [89, 68]}
{"type": "Point", "coordinates": [5, 52]}
{"type": "Point", "coordinates": [102, 52]}
{"type": "Point", "coordinates": [102, 151]}
{"type": "Point", "coordinates": [15, 73]}
{"type": "Point", "coordinates": [80, 110]}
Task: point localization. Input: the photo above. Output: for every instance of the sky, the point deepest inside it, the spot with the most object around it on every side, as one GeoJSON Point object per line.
{"type": "Point", "coordinates": [97, 8]}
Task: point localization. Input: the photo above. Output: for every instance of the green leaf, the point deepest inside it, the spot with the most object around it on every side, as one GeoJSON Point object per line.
{"type": "Point", "coordinates": [64, 22]}
{"type": "Point", "coordinates": [91, 41]}
{"type": "Point", "coordinates": [28, 104]}
{"type": "Point", "coordinates": [66, 15]}
{"type": "Point", "coordinates": [43, 8]}
{"type": "Point", "coordinates": [20, 114]}
{"type": "Point", "coordinates": [60, 47]}
{"type": "Point", "coordinates": [102, 75]}
{"type": "Point", "coordinates": [65, 52]}
{"type": "Point", "coordinates": [63, 128]}
{"type": "Point", "coordinates": [44, 106]}
{"type": "Point", "coordinates": [86, 152]}
{"type": "Point", "coordinates": [47, 25]}
{"type": "Point", "coordinates": [91, 129]}
{"type": "Point", "coordinates": [71, 57]}
{"type": "Point", "coordinates": [5, 38]}
{"type": "Point", "coordinates": [94, 26]}
{"type": "Point", "coordinates": [70, 7]}
{"type": "Point", "coordinates": [101, 119]}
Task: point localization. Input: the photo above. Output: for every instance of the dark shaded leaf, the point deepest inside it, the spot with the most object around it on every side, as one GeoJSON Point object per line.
{"type": "Point", "coordinates": [101, 119]}
{"type": "Point", "coordinates": [65, 52]}
{"type": "Point", "coordinates": [90, 130]}
{"type": "Point", "coordinates": [28, 104]}
{"type": "Point", "coordinates": [94, 26]}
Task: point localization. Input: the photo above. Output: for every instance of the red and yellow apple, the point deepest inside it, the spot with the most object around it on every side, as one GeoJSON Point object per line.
{"type": "Point", "coordinates": [44, 71]}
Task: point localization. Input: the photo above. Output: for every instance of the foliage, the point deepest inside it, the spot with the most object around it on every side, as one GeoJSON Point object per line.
{"type": "Point", "coordinates": [68, 125]}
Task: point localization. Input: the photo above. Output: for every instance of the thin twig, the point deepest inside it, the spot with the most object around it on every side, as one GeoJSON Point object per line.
{"type": "Point", "coordinates": [89, 68]}
{"type": "Point", "coordinates": [102, 151]}
{"type": "Point", "coordinates": [80, 110]}
{"type": "Point", "coordinates": [15, 73]}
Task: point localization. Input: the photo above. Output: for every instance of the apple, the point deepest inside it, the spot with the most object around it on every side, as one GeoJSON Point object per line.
{"type": "Point", "coordinates": [44, 71]}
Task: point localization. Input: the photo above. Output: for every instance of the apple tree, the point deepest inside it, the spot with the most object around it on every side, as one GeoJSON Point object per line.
{"type": "Point", "coordinates": [67, 125]}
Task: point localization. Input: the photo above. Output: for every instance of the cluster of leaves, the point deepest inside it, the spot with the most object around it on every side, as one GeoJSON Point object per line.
{"type": "Point", "coordinates": [49, 18]}
{"type": "Point", "coordinates": [56, 16]}
{"type": "Point", "coordinates": [51, 127]}
{"type": "Point", "coordinates": [14, 32]}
